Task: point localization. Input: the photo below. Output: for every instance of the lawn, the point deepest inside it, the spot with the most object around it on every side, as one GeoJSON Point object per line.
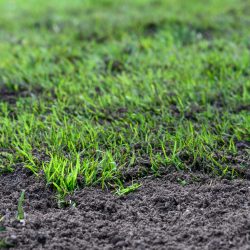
{"type": "Point", "coordinates": [103, 94]}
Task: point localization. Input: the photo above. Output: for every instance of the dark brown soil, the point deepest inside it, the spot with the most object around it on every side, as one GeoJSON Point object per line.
{"type": "Point", "coordinates": [177, 211]}
{"type": "Point", "coordinates": [11, 95]}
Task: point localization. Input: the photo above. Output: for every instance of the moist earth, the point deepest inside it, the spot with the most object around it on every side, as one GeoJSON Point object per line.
{"type": "Point", "coordinates": [175, 211]}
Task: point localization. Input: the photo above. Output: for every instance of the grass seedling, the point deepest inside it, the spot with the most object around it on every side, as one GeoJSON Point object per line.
{"type": "Point", "coordinates": [126, 190]}
{"type": "Point", "coordinates": [182, 182]}
{"type": "Point", "coordinates": [20, 211]}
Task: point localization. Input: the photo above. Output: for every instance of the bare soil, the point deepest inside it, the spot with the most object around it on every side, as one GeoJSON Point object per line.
{"type": "Point", "coordinates": [200, 213]}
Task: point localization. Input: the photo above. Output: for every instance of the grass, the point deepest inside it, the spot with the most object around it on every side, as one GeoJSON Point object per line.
{"type": "Point", "coordinates": [5, 245]}
{"type": "Point", "coordinates": [102, 92]}
{"type": "Point", "coordinates": [126, 190]}
{"type": "Point", "coordinates": [20, 211]}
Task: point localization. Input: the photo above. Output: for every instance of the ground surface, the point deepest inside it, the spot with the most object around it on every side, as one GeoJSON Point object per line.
{"type": "Point", "coordinates": [205, 214]}
{"type": "Point", "coordinates": [137, 98]}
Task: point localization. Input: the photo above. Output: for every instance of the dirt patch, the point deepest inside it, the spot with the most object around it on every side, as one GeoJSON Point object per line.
{"type": "Point", "coordinates": [190, 113]}
{"type": "Point", "coordinates": [205, 33]}
{"type": "Point", "coordinates": [113, 66]}
{"type": "Point", "coordinates": [151, 29]}
{"type": "Point", "coordinates": [183, 30]}
{"type": "Point", "coordinates": [91, 37]}
{"type": "Point", "coordinates": [243, 108]}
{"type": "Point", "coordinates": [178, 211]}
{"type": "Point", "coordinates": [11, 95]}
